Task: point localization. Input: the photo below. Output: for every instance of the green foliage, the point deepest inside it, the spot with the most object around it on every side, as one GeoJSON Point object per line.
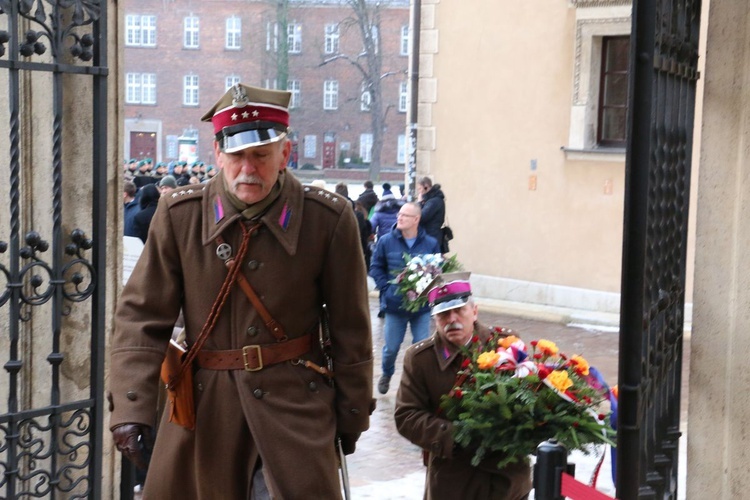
{"type": "Point", "coordinates": [496, 412]}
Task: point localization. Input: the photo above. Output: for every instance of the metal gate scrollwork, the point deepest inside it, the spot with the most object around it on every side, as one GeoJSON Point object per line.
{"type": "Point", "coordinates": [53, 184]}
{"type": "Point", "coordinates": [664, 58]}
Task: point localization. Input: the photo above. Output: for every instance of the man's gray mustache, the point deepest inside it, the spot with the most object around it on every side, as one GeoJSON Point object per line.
{"type": "Point", "coordinates": [247, 179]}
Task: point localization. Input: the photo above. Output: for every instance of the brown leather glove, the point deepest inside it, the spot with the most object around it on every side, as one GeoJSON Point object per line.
{"type": "Point", "coordinates": [135, 441]}
{"type": "Point", "coordinates": [349, 442]}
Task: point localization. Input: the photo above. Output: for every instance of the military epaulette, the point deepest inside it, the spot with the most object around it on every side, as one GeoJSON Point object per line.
{"type": "Point", "coordinates": [184, 193]}
{"type": "Point", "coordinates": [422, 345]}
{"type": "Point", "coordinates": [334, 201]}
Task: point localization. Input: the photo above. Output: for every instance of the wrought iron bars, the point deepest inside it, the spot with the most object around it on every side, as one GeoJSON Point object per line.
{"type": "Point", "coordinates": [664, 53]}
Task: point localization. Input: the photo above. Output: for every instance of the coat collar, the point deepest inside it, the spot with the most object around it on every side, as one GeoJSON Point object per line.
{"type": "Point", "coordinates": [283, 218]}
{"type": "Point", "coordinates": [447, 353]}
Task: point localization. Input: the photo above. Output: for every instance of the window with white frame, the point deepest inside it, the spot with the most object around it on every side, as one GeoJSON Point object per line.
{"type": "Point", "coordinates": [365, 147]}
{"type": "Point", "coordinates": [270, 83]}
{"type": "Point", "coordinates": [234, 33]}
{"type": "Point", "coordinates": [231, 81]}
{"type": "Point", "coordinates": [401, 150]}
{"type": "Point", "coordinates": [331, 94]}
{"type": "Point", "coordinates": [365, 98]}
{"type": "Point", "coordinates": [331, 45]}
{"type": "Point", "coordinates": [311, 146]}
{"type": "Point", "coordinates": [190, 90]}
{"type": "Point", "coordinates": [272, 37]}
{"type": "Point", "coordinates": [140, 88]}
{"type": "Point", "coordinates": [191, 32]}
{"type": "Point", "coordinates": [294, 38]}
{"type": "Point", "coordinates": [140, 31]}
{"type": "Point", "coordinates": [403, 96]}
{"type": "Point", "coordinates": [295, 87]}
{"type": "Point", "coordinates": [404, 41]}
{"type": "Point", "coordinates": [589, 75]}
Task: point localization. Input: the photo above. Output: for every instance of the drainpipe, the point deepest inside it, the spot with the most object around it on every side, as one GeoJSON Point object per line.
{"type": "Point", "coordinates": [410, 180]}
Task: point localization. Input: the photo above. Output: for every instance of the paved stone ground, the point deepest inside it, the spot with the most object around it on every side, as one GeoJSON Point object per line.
{"type": "Point", "coordinates": [387, 466]}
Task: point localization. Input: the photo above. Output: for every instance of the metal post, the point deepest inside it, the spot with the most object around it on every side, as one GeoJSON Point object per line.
{"type": "Point", "coordinates": [551, 462]}
{"type": "Point", "coordinates": [410, 177]}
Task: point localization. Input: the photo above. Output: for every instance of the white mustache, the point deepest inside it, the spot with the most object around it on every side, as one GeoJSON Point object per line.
{"type": "Point", "coordinates": [246, 179]}
{"type": "Point", "coordinates": [454, 326]}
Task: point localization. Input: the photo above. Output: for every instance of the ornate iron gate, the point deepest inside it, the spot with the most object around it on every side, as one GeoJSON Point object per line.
{"type": "Point", "coordinates": [52, 57]}
{"type": "Point", "coordinates": [664, 55]}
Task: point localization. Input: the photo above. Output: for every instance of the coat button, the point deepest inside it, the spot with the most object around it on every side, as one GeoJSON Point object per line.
{"type": "Point", "coordinates": [200, 387]}
{"type": "Point", "coordinates": [443, 427]}
{"type": "Point", "coordinates": [312, 386]}
{"type": "Point", "coordinates": [253, 265]}
{"type": "Point", "coordinates": [258, 393]}
{"type": "Point", "coordinates": [252, 331]}
{"type": "Point", "coordinates": [131, 395]}
{"type": "Point", "coordinates": [354, 411]}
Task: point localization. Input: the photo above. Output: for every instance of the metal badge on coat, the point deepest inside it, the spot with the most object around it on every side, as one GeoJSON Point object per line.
{"type": "Point", "coordinates": [224, 251]}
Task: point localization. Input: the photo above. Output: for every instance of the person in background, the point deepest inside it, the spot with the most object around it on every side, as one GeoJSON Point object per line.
{"type": "Point", "coordinates": [406, 238]}
{"type": "Point", "coordinates": [167, 184]}
{"type": "Point", "coordinates": [432, 199]}
{"type": "Point", "coordinates": [362, 223]}
{"type": "Point", "coordinates": [149, 198]}
{"type": "Point", "coordinates": [130, 207]}
{"type": "Point", "coordinates": [387, 189]}
{"type": "Point", "coordinates": [268, 419]}
{"type": "Point", "coordinates": [368, 198]}
{"type": "Point", "coordinates": [430, 371]}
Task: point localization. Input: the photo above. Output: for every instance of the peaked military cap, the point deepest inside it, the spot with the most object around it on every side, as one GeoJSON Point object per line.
{"type": "Point", "coordinates": [249, 116]}
{"type": "Point", "coordinates": [448, 291]}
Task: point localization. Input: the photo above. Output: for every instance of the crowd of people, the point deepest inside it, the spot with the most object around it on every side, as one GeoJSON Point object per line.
{"type": "Point", "coordinates": [144, 171]}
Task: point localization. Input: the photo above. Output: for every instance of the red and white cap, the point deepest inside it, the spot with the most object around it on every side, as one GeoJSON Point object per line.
{"type": "Point", "coordinates": [449, 291]}
{"type": "Point", "coordinates": [249, 116]}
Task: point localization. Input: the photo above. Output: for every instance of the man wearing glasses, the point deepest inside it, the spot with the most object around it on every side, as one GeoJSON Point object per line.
{"type": "Point", "coordinates": [406, 238]}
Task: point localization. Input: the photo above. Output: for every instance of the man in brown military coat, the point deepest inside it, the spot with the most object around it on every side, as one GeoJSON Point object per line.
{"type": "Point", "coordinates": [264, 411]}
{"type": "Point", "coordinates": [430, 369]}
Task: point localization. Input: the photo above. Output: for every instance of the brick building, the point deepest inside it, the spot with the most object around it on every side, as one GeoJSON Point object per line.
{"type": "Point", "coordinates": [181, 55]}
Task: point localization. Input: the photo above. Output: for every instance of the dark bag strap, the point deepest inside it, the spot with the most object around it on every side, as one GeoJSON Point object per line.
{"type": "Point", "coordinates": [274, 326]}
{"type": "Point", "coordinates": [218, 305]}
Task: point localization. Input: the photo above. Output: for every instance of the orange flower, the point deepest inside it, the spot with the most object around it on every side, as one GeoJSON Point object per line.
{"type": "Point", "coordinates": [559, 380]}
{"type": "Point", "coordinates": [581, 365]}
{"type": "Point", "coordinates": [547, 347]}
{"type": "Point", "coordinates": [508, 341]}
{"type": "Point", "coordinates": [487, 360]}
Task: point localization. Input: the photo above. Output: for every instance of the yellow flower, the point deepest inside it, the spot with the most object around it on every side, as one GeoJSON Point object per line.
{"type": "Point", "coordinates": [581, 365]}
{"type": "Point", "coordinates": [508, 341]}
{"type": "Point", "coordinates": [559, 380]}
{"type": "Point", "coordinates": [487, 360]}
{"type": "Point", "coordinates": [547, 347]}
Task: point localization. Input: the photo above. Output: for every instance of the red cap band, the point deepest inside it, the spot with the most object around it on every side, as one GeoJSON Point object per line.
{"type": "Point", "coordinates": [251, 112]}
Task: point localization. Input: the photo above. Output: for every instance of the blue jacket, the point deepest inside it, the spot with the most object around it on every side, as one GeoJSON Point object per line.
{"type": "Point", "coordinates": [384, 215]}
{"type": "Point", "coordinates": [388, 260]}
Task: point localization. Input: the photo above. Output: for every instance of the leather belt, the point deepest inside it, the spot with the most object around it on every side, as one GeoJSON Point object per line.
{"type": "Point", "coordinates": [253, 358]}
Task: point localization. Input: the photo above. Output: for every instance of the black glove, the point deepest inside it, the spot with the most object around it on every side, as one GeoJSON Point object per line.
{"type": "Point", "coordinates": [135, 441]}
{"type": "Point", "coordinates": [349, 442]}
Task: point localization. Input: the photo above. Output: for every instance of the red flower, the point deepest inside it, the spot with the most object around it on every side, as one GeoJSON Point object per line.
{"type": "Point", "coordinates": [533, 343]}
{"type": "Point", "coordinates": [466, 363]}
{"type": "Point", "coordinates": [475, 339]}
{"type": "Point", "coordinates": [537, 356]}
{"type": "Point", "coordinates": [458, 393]}
{"type": "Point", "coordinates": [542, 371]}
{"type": "Point", "coordinates": [575, 424]}
{"type": "Point", "coordinates": [602, 416]}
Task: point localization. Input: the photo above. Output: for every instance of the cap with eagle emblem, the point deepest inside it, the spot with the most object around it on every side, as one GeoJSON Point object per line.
{"type": "Point", "coordinates": [249, 116]}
